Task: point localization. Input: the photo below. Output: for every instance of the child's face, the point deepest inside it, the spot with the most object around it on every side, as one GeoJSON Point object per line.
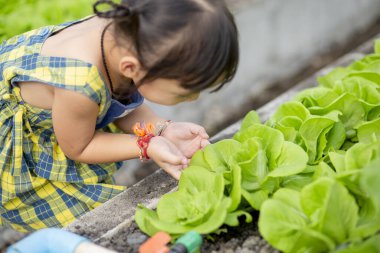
{"type": "Point", "coordinates": [166, 92]}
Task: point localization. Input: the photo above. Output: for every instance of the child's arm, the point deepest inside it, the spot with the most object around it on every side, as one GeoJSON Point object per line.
{"type": "Point", "coordinates": [188, 137]}
{"type": "Point", "coordinates": [74, 121]}
{"type": "Point", "coordinates": [142, 113]}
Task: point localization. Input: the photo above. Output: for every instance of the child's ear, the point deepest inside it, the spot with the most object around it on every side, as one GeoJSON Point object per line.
{"type": "Point", "coordinates": [130, 67]}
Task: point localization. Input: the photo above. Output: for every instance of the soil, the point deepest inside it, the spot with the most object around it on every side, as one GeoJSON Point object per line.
{"type": "Point", "coordinates": [242, 239]}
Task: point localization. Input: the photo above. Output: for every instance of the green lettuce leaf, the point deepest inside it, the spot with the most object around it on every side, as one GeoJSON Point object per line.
{"type": "Point", "coordinates": [266, 159]}
{"type": "Point", "coordinates": [371, 245]}
{"type": "Point", "coordinates": [218, 158]}
{"type": "Point", "coordinates": [284, 225]}
{"type": "Point", "coordinates": [369, 131]}
{"type": "Point", "coordinates": [320, 135]}
{"type": "Point", "coordinates": [251, 118]}
{"type": "Point", "coordinates": [331, 209]}
{"type": "Point", "coordinates": [369, 220]}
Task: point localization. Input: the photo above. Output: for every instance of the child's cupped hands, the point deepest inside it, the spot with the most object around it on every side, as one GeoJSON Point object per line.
{"type": "Point", "coordinates": [187, 137]}
{"type": "Point", "coordinates": [166, 155]}
{"type": "Point", "coordinates": [173, 150]}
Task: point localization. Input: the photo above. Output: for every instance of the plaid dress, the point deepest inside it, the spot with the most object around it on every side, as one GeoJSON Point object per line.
{"type": "Point", "coordinates": [40, 186]}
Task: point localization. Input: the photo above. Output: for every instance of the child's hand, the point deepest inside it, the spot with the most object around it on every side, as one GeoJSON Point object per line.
{"type": "Point", "coordinates": [188, 137]}
{"type": "Point", "coordinates": [166, 155]}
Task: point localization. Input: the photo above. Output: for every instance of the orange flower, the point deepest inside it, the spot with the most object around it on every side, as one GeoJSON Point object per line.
{"type": "Point", "coordinates": [140, 129]}
{"type": "Point", "coordinates": [150, 128]}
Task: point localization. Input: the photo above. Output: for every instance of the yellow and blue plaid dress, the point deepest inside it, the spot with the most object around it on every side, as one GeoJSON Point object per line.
{"type": "Point", "coordinates": [40, 186]}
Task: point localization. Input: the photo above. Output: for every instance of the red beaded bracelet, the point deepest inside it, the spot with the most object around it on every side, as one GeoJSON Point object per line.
{"type": "Point", "coordinates": [143, 143]}
{"type": "Point", "coordinates": [144, 134]}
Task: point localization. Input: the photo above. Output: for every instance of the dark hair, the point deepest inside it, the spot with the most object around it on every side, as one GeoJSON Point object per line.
{"type": "Point", "coordinates": [193, 41]}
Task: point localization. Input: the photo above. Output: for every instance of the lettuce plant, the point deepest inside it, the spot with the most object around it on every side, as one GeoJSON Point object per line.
{"type": "Point", "coordinates": [349, 164]}
{"type": "Point", "coordinates": [345, 108]}
{"type": "Point", "coordinates": [353, 93]}
{"type": "Point", "coordinates": [198, 205]}
{"type": "Point", "coordinates": [317, 135]}
{"type": "Point", "coordinates": [325, 215]}
{"type": "Point", "coordinates": [317, 219]}
{"type": "Point", "coordinates": [218, 158]}
{"type": "Point", "coordinates": [266, 159]}
{"type": "Point", "coordinates": [366, 234]}
{"type": "Point", "coordinates": [288, 118]}
{"type": "Point", "coordinates": [351, 167]}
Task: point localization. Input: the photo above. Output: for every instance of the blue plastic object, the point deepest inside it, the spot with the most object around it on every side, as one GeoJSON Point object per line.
{"type": "Point", "coordinates": [48, 240]}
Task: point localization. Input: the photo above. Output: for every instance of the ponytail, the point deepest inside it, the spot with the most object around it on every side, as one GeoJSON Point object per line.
{"type": "Point", "coordinates": [115, 10]}
{"type": "Point", "coordinates": [122, 15]}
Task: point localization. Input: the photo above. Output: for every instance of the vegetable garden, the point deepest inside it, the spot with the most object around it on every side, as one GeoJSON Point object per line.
{"type": "Point", "coordinates": [311, 171]}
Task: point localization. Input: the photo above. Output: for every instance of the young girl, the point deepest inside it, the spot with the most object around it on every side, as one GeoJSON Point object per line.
{"type": "Point", "coordinates": [63, 87]}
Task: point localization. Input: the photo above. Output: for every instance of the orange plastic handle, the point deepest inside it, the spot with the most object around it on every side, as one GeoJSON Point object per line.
{"type": "Point", "coordinates": [156, 244]}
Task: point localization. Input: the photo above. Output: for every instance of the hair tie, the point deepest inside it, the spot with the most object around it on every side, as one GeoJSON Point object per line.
{"type": "Point", "coordinates": [116, 11]}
